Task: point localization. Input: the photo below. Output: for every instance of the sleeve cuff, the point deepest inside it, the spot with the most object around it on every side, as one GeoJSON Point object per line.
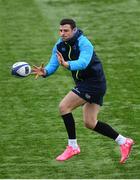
{"type": "Point", "coordinates": [45, 73]}
{"type": "Point", "coordinates": [69, 65]}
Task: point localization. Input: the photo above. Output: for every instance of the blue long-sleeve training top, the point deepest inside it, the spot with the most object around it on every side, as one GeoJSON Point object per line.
{"type": "Point", "coordinates": [86, 51]}
{"type": "Point", "coordinates": [80, 55]}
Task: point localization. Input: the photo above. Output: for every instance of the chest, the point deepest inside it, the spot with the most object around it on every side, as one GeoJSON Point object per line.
{"type": "Point", "coordinates": [69, 52]}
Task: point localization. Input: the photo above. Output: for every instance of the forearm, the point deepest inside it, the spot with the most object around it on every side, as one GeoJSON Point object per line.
{"type": "Point", "coordinates": [50, 69]}
{"type": "Point", "coordinates": [78, 64]}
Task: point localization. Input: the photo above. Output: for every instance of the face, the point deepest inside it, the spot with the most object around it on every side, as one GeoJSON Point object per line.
{"type": "Point", "coordinates": [66, 32]}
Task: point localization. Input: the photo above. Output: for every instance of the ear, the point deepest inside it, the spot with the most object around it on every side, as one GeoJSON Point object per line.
{"type": "Point", "coordinates": [75, 29]}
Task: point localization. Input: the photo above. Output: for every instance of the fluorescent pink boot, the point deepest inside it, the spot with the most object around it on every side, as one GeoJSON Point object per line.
{"type": "Point", "coordinates": [68, 153]}
{"type": "Point", "coordinates": [125, 149]}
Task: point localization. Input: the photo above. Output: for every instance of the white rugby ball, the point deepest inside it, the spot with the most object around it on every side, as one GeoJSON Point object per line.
{"type": "Point", "coordinates": [21, 69]}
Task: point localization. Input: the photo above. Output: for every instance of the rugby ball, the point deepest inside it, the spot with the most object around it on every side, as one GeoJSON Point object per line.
{"type": "Point", "coordinates": [21, 69]}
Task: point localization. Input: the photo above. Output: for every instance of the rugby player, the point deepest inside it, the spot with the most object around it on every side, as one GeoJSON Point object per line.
{"type": "Point", "coordinates": [76, 53]}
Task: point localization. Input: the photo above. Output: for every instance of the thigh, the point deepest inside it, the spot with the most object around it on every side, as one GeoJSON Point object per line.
{"type": "Point", "coordinates": [70, 102]}
{"type": "Point", "coordinates": [90, 113]}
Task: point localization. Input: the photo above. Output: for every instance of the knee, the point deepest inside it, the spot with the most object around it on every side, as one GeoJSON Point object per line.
{"type": "Point", "coordinates": [90, 124]}
{"type": "Point", "coordinates": [63, 109]}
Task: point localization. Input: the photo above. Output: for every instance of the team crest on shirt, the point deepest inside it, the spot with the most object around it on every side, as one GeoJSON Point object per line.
{"type": "Point", "coordinates": [63, 49]}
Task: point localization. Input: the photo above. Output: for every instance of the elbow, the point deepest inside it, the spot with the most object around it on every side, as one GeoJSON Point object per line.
{"type": "Point", "coordinates": [83, 65]}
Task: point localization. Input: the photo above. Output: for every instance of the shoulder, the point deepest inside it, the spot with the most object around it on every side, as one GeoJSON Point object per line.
{"type": "Point", "coordinates": [84, 41]}
{"type": "Point", "coordinates": [56, 44]}
{"type": "Point", "coordinates": [58, 41]}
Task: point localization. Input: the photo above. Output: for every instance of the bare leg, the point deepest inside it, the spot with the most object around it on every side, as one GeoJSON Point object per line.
{"type": "Point", "coordinates": [70, 102]}
{"type": "Point", "coordinates": [90, 113]}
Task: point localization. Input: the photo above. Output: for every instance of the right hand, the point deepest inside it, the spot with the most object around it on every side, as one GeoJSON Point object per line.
{"type": "Point", "coordinates": [39, 71]}
{"type": "Point", "coordinates": [61, 60]}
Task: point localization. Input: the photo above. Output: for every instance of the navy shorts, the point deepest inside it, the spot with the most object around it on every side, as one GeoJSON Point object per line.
{"type": "Point", "coordinates": [91, 91]}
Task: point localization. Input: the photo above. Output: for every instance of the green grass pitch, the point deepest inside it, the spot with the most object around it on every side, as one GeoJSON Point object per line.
{"type": "Point", "coordinates": [32, 133]}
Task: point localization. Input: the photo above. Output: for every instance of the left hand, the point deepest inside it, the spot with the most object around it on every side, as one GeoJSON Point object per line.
{"type": "Point", "coordinates": [61, 60]}
{"type": "Point", "coordinates": [38, 71]}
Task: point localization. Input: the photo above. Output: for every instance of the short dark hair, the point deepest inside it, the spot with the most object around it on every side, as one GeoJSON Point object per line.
{"type": "Point", "coordinates": [71, 22]}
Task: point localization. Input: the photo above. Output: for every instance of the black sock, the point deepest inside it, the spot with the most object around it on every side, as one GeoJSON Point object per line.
{"type": "Point", "coordinates": [70, 125]}
{"type": "Point", "coordinates": [105, 130]}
